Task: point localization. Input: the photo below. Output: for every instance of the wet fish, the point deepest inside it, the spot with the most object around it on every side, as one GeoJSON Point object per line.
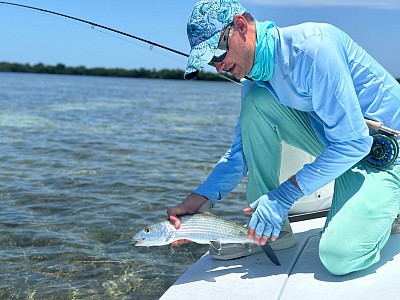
{"type": "Point", "coordinates": [201, 229]}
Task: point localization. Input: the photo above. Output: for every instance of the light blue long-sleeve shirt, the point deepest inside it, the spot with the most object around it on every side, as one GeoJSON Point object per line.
{"type": "Point", "coordinates": [322, 71]}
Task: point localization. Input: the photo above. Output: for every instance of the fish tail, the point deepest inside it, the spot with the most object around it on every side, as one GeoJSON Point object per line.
{"type": "Point", "coordinates": [270, 253]}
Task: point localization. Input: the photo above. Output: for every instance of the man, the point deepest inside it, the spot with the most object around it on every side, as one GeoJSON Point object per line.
{"type": "Point", "coordinates": [311, 86]}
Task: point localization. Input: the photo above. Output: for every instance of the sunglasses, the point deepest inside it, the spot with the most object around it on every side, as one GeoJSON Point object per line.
{"type": "Point", "coordinates": [223, 46]}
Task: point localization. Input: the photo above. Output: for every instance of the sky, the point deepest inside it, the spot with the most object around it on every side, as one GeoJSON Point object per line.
{"type": "Point", "coordinates": [35, 37]}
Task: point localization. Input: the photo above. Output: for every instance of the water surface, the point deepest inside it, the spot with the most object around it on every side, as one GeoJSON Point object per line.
{"type": "Point", "coordinates": [85, 162]}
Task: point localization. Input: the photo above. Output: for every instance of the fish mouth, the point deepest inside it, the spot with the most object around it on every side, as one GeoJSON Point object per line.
{"type": "Point", "coordinates": [139, 241]}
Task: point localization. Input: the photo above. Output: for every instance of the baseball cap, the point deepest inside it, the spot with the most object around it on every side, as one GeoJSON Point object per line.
{"type": "Point", "coordinates": [204, 26]}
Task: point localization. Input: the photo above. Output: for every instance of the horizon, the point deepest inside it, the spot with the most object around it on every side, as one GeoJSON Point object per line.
{"type": "Point", "coordinates": [35, 37]}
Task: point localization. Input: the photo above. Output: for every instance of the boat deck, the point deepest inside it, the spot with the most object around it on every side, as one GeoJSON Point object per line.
{"type": "Point", "coordinates": [301, 275]}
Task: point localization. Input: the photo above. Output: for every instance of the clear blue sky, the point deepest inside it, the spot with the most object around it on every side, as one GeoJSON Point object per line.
{"type": "Point", "coordinates": [32, 37]}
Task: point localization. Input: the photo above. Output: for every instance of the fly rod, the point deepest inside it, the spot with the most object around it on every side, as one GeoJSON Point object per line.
{"type": "Point", "coordinates": [93, 24]}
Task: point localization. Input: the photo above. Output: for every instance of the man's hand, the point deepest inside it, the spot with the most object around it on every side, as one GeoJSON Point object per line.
{"type": "Point", "coordinates": [190, 205]}
{"type": "Point", "coordinates": [270, 210]}
{"type": "Point", "coordinates": [267, 219]}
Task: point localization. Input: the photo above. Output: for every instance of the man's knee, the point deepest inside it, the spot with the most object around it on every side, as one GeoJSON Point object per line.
{"type": "Point", "coordinates": [336, 261]}
{"type": "Point", "coordinates": [341, 258]}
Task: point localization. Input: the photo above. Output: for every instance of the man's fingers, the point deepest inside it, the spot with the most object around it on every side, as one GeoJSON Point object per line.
{"type": "Point", "coordinates": [250, 233]}
{"type": "Point", "coordinates": [263, 240]}
{"type": "Point", "coordinates": [180, 242]}
{"type": "Point", "coordinates": [259, 233]}
{"type": "Point", "coordinates": [248, 210]}
{"type": "Point", "coordinates": [175, 221]}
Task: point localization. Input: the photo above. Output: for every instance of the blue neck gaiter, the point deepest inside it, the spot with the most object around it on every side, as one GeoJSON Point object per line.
{"type": "Point", "coordinates": [264, 62]}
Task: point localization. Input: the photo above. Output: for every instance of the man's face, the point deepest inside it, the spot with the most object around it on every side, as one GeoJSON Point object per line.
{"type": "Point", "coordinates": [240, 57]}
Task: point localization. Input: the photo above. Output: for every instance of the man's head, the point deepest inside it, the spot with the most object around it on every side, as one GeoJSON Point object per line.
{"type": "Point", "coordinates": [214, 28]}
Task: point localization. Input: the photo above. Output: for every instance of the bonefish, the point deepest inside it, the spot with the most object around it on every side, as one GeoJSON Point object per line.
{"type": "Point", "coordinates": [201, 229]}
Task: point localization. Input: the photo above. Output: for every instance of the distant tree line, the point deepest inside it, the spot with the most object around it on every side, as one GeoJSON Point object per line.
{"type": "Point", "coordinates": [114, 72]}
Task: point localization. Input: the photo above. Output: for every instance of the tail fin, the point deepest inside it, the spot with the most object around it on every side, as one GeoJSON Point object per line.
{"type": "Point", "coordinates": [270, 253]}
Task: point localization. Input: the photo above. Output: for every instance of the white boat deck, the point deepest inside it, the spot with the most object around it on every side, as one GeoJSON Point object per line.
{"type": "Point", "coordinates": [301, 275]}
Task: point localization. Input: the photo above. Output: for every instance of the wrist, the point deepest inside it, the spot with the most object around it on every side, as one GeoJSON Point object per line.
{"type": "Point", "coordinates": [288, 191]}
{"type": "Point", "coordinates": [195, 201]}
{"type": "Point", "coordinates": [293, 178]}
{"type": "Point", "coordinates": [198, 196]}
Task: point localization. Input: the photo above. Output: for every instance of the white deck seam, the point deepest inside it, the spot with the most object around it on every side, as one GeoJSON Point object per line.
{"type": "Point", "coordinates": [298, 254]}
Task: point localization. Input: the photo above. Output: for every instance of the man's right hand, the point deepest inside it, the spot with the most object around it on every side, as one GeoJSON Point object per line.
{"type": "Point", "coordinates": [190, 205]}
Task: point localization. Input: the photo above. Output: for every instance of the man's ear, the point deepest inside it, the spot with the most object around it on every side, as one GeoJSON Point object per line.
{"type": "Point", "coordinates": [240, 23]}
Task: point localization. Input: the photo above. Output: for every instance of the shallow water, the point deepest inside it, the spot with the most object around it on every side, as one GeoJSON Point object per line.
{"type": "Point", "coordinates": [85, 162]}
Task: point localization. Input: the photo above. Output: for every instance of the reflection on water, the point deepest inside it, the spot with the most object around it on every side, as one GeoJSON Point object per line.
{"type": "Point", "coordinates": [86, 162]}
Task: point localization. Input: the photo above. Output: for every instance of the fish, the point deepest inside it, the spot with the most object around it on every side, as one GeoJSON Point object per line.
{"type": "Point", "coordinates": [201, 229]}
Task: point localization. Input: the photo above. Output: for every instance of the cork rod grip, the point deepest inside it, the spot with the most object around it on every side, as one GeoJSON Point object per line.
{"type": "Point", "coordinates": [373, 125]}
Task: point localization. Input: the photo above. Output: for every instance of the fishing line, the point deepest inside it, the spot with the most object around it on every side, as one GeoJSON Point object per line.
{"type": "Point", "coordinates": [93, 24]}
{"type": "Point", "coordinates": [96, 26]}
{"type": "Point", "coordinates": [111, 34]}
{"type": "Point", "coordinates": [138, 45]}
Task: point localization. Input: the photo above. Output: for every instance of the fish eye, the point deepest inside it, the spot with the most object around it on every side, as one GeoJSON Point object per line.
{"type": "Point", "coordinates": [147, 230]}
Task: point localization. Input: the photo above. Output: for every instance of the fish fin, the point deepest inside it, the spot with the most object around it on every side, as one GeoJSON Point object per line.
{"type": "Point", "coordinates": [216, 245]}
{"type": "Point", "coordinates": [270, 253]}
{"type": "Point", "coordinates": [248, 246]}
{"type": "Point", "coordinates": [171, 250]}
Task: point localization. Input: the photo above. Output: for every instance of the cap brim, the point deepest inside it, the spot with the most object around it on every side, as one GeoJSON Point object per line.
{"type": "Point", "coordinates": [201, 55]}
{"type": "Point", "coordinates": [190, 76]}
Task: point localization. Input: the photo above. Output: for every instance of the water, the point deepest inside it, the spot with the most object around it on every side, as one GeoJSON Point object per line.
{"type": "Point", "coordinates": [85, 162]}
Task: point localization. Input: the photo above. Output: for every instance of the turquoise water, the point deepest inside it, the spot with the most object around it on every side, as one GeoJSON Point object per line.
{"type": "Point", "coordinates": [85, 162]}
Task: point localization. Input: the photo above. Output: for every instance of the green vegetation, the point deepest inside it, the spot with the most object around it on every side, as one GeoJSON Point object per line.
{"type": "Point", "coordinates": [114, 72]}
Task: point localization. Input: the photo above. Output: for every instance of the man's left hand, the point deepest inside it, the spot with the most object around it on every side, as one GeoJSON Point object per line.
{"type": "Point", "coordinates": [270, 210]}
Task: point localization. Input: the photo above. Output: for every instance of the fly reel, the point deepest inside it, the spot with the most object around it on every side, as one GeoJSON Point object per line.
{"type": "Point", "coordinates": [384, 151]}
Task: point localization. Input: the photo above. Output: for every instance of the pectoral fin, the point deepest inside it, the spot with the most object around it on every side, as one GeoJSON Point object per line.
{"type": "Point", "coordinates": [216, 245]}
{"type": "Point", "coordinates": [248, 246]}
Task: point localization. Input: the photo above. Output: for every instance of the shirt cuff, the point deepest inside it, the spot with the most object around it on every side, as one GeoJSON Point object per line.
{"type": "Point", "coordinates": [205, 191]}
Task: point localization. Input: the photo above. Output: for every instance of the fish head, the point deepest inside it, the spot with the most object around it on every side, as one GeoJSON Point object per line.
{"type": "Point", "coordinates": [154, 235]}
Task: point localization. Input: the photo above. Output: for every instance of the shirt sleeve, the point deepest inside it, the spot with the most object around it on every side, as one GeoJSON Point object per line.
{"type": "Point", "coordinates": [327, 79]}
{"type": "Point", "coordinates": [227, 173]}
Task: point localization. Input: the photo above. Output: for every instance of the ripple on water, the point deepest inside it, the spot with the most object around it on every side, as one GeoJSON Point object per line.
{"type": "Point", "coordinates": [85, 163]}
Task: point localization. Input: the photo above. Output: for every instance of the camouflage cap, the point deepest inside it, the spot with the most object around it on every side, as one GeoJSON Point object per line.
{"type": "Point", "coordinates": [205, 24]}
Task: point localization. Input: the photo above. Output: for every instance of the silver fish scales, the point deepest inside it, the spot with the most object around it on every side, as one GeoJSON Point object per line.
{"type": "Point", "coordinates": [205, 228]}
{"type": "Point", "coordinates": [201, 229]}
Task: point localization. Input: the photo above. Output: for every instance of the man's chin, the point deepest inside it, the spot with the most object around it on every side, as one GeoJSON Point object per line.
{"type": "Point", "coordinates": [238, 76]}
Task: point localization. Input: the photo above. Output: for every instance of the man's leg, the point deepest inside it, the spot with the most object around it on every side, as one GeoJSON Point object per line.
{"type": "Point", "coordinates": [265, 124]}
{"type": "Point", "coordinates": [365, 202]}
{"type": "Point", "coordinates": [364, 205]}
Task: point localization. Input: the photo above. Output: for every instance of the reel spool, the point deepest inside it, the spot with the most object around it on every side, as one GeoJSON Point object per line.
{"type": "Point", "coordinates": [384, 151]}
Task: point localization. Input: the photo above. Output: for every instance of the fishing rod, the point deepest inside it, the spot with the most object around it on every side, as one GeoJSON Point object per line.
{"type": "Point", "coordinates": [93, 24]}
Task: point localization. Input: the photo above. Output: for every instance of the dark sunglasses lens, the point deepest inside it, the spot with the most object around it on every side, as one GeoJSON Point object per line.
{"type": "Point", "coordinates": [223, 45]}
{"type": "Point", "coordinates": [219, 58]}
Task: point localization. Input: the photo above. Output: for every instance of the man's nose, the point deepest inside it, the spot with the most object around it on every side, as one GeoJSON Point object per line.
{"type": "Point", "coordinates": [219, 66]}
